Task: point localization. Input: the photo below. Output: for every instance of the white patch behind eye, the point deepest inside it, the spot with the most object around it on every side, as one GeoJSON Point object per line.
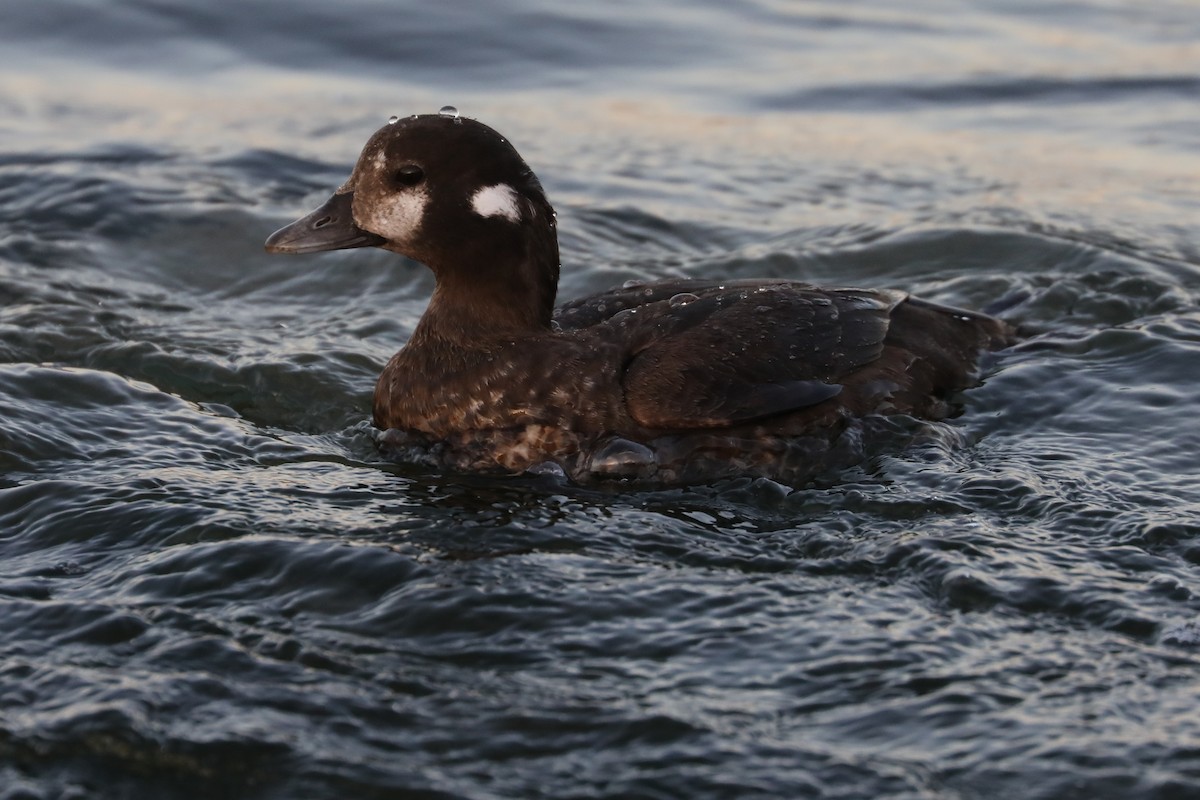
{"type": "Point", "coordinates": [497, 201]}
{"type": "Point", "coordinates": [396, 217]}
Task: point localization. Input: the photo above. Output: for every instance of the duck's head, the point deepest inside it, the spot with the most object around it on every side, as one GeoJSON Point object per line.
{"type": "Point", "coordinates": [453, 194]}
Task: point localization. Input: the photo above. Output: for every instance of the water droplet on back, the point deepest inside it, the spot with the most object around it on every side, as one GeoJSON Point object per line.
{"type": "Point", "coordinates": [449, 111]}
{"type": "Point", "coordinates": [682, 299]}
{"type": "Point", "coordinates": [393, 119]}
{"type": "Point", "coordinates": [631, 283]}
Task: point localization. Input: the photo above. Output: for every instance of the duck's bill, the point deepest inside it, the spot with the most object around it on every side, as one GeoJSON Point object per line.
{"type": "Point", "coordinates": [330, 227]}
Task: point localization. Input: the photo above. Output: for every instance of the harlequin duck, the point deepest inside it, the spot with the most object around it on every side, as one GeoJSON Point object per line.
{"type": "Point", "coordinates": [674, 381]}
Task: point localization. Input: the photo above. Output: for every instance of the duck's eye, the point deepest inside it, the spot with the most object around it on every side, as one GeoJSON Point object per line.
{"type": "Point", "coordinates": [409, 175]}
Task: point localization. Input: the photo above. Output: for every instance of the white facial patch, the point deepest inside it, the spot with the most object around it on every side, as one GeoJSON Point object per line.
{"type": "Point", "coordinates": [396, 217]}
{"type": "Point", "coordinates": [497, 201]}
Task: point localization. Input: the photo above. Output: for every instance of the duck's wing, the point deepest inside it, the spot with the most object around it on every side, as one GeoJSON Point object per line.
{"type": "Point", "coordinates": [743, 353]}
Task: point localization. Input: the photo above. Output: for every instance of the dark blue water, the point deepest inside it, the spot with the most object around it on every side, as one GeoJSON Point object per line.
{"type": "Point", "coordinates": [212, 586]}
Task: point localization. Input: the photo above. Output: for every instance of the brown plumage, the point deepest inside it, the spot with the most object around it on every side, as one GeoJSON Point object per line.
{"type": "Point", "coordinates": [670, 381]}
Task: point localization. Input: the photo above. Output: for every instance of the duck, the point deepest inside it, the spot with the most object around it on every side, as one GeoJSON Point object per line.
{"type": "Point", "coordinates": [667, 382]}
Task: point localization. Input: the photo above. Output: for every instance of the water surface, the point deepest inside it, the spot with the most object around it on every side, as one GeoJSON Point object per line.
{"type": "Point", "coordinates": [211, 583]}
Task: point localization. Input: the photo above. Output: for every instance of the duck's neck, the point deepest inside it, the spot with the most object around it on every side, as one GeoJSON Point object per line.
{"type": "Point", "coordinates": [504, 299]}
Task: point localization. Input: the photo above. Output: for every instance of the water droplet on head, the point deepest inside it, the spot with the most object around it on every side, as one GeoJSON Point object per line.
{"type": "Point", "coordinates": [449, 111]}
{"type": "Point", "coordinates": [631, 283]}
{"type": "Point", "coordinates": [682, 299]}
{"type": "Point", "coordinates": [393, 119]}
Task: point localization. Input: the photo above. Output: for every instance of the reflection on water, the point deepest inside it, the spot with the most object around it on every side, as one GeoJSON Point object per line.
{"type": "Point", "coordinates": [213, 585]}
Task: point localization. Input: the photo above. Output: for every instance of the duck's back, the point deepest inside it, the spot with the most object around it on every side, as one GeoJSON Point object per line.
{"type": "Point", "coordinates": [704, 355]}
{"type": "Point", "coordinates": [766, 377]}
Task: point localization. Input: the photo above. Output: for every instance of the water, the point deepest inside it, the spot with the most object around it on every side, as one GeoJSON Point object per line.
{"type": "Point", "coordinates": [211, 585]}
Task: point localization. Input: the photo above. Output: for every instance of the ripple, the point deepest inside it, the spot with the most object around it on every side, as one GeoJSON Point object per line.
{"type": "Point", "coordinates": [214, 586]}
{"type": "Point", "coordinates": [1103, 90]}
